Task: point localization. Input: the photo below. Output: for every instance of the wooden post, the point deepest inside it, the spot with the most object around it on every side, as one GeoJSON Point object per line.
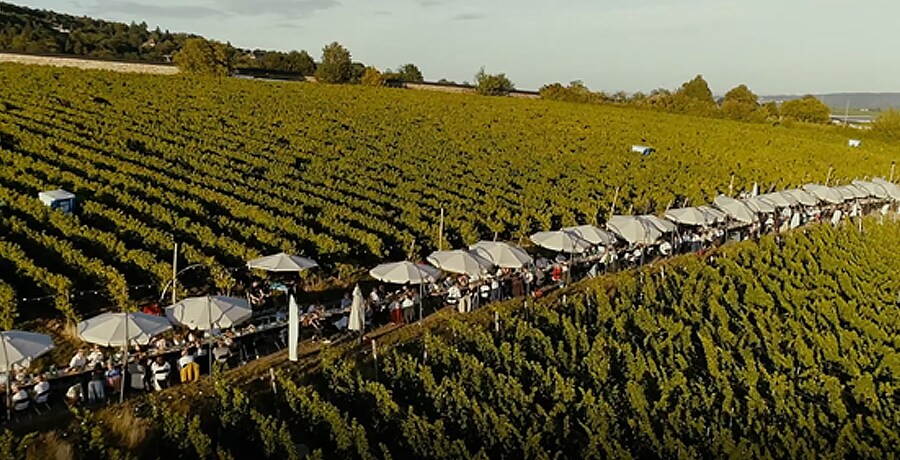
{"type": "Point", "coordinates": [612, 208]}
{"type": "Point", "coordinates": [731, 186]}
{"type": "Point", "coordinates": [828, 177]}
{"type": "Point", "coordinates": [441, 232]}
{"type": "Point", "coordinates": [174, 274]}
{"type": "Point", "coordinates": [892, 171]}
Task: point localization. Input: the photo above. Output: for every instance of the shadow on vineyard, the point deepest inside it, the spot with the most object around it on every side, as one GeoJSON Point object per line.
{"type": "Point", "coordinates": [784, 347]}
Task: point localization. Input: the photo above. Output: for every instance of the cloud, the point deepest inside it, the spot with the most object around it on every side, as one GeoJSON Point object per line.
{"type": "Point", "coordinates": [284, 9]}
{"type": "Point", "coordinates": [467, 16]}
{"type": "Point", "coordinates": [140, 11]}
{"type": "Point", "coordinates": [290, 9]}
{"type": "Point", "coordinates": [428, 3]}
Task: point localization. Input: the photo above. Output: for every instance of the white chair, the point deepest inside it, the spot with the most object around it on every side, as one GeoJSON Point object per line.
{"type": "Point", "coordinates": [20, 406]}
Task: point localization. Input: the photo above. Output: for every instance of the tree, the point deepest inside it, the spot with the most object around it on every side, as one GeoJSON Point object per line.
{"type": "Point", "coordinates": [205, 57]}
{"type": "Point", "coordinates": [492, 85]}
{"type": "Point", "coordinates": [300, 62]}
{"type": "Point", "coordinates": [410, 73]}
{"type": "Point", "coordinates": [695, 97]}
{"type": "Point", "coordinates": [807, 109]}
{"type": "Point", "coordinates": [741, 104]}
{"type": "Point", "coordinates": [357, 70]}
{"type": "Point", "coordinates": [372, 77]}
{"type": "Point", "coordinates": [336, 65]}
{"type": "Point", "coordinates": [888, 125]}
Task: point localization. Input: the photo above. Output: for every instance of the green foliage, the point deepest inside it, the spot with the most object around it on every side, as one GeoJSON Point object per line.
{"type": "Point", "coordinates": [887, 125]}
{"type": "Point", "coordinates": [576, 91]}
{"type": "Point", "coordinates": [492, 85]}
{"type": "Point", "coordinates": [372, 77]}
{"type": "Point", "coordinates": [410, 73]}
{"type": "Point", "coordinates": [741, 104]}
{"type": "Point", "coordinates": [336, 65]}
{"type": "Point", "coordinates": [695, 98]}
{"type": "Point", "coordinates": [365, 155]}
{"type": "Point", "coordinates": [205, 57]}
{"type": "Point", "coordinates": [806, 109]}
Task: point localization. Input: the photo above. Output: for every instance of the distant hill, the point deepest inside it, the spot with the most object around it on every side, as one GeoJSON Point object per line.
{"type": "Point", "coordinates": [838, 101]}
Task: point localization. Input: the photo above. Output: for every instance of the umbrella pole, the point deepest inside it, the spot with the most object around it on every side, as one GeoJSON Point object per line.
{"type": "Point", "coordinates": [421, 303]}
{"type": "Point", "coordinates": [8, 379]}
{"type": "Point", "coordinates": [124, 362]}
{"type": "Point", "coordinates": [209, 347]}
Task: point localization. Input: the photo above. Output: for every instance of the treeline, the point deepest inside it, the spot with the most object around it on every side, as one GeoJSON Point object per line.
{"type": "Point", "coordinates": [695, 98]}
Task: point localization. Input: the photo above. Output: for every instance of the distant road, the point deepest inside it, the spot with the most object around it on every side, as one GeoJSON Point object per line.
{"type": "Point", "coordinates": [853, 118]}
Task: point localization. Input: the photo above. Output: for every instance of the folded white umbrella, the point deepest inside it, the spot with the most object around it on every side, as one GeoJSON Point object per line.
{"type": "Point", "coordinates": [891, 188]}
{"type": "Point", "coordinates": [592, 234]}
{"type": "Point", "coordinates": [633, 230]}
{"type": "Point", "coordinates": [460, 261]}
{"type": "Point", "coordinates": [759, 205]}
{"type": "Point", "coordinates": [801, 197]}
{"type": "Point", "coordinates": [357, 321]}
{"type": "Point", "coordinates": [121, 329]}
{"type": "Point", "coordinates": [561, 241]}
{"type": "Point", "coordinates": [735, 209]}
{"type": "Point", "coordinates": [405, 272]}
{"type": "Point", "coordinates": [664, 226]}
{"type": "Point", "coordinates": [845, 193]}
{"type": "Point", "coordinates": [823, 193]}
{"type": "Point", "coordinates": [282, 262]}
{"type": "Point", "coordinates": [20, 348]}
{"type": "Point", "coordinates": [688, 216]}
{"type": "Point", "coordinates": [858, 193]}
{"type": "Point", "coordinates": [210, 312]}
{"type": "Point", "coordinates": [777, 200]}
{"type": "Point", "coordinates": [502, 254]}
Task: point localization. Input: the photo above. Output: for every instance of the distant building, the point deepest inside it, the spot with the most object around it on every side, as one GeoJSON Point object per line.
{"type": "Point", "coordinates": [854, 142]}
{"type": "Point", "coordinates": [58, 199]}
{"type": "Point", "coordinates": [643, 150]}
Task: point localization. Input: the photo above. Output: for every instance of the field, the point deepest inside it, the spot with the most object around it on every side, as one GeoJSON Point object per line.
{"type": "Point", "coordinates": [348, 175]}
{"type": "Point", "coordinates": [786, 348]}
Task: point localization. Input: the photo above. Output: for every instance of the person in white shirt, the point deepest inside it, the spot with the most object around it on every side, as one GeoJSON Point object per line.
{"type": "Point", "coordinates": [95, 356]}
{"type": "Point", "coordinates": [409, 313]}
{"type": "Point", "coordinates": [185, 359]}
{"type": "Point", "coordinates": [78, 362]}
{"type": "Point", "coordinates": [19, 395]}
{"type": "Point", "coordinates": [160, 369]}
{"type": "Point", "coordinates": [41, 389]}
{"type": "Point", "coordinates": [453, 295]}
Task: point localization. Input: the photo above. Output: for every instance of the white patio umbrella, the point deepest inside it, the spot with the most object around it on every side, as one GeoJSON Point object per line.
{"type": "Point", "coordinates": [826, 194]}
{"type": "Point", "coordinates": [502, 254]}
{"type": "Point", "coordinates": [633, 230]}
{"type": "Point", "coordinates": [120, 330]}
{"type": "Point", "coordinates": [663, 225]}
{"type": "Point", "coordinates": [405, 272]}
{"type": "Point", "coordinates": [846, 192]}
{"type": "Point", "coordinates": [714, 216]}
{"type": "Point", "coordinates": [592, 234]}
{"type": "Point", "coordinates": [735, 209]}
{"type": "Point", "coordinates": [801, 196]}
{"type": "Point", "coordinates": [19, 348]}
{"type": "Point", "coordinates": [776, 199]}
{"type": "Point", "coordinates": [208, 313]}
{"type": "Point", "coordinates": [357, 311]}
{"type": "Point", "coordinates": [759, 205]}
{"type": "Point", "coordinates": [687, 216]}
{"type": "Point", "coordinates": [460, 261]}
{"type": "Point", "coordinates": [561, 241]}
{"type": "Point", "coordinates": [282, 262]}
{"type": "Point", "coordinates": [858, 193]}
{"type": "Point", "coordinates": [891, 188]}
{"type": "Point", "coordinates": [872, 189]}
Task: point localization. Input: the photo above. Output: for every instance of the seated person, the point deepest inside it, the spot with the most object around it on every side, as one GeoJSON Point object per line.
{"type": "Point", "coordinates": [41, 389]}
{"type": "Point", "coordinates": [185, 359]}
{"type": "Point", "coordinates": [160, 369]}
{"type": "Point", "coordinates": [78, 362]}
{"type": "Point", "coordinates": [95, 356]}
{"type": "Point", "coordinates": [221, 353]}
{"type": "Point", "coordinates": [161, 344]}
{"type": "Point", "coordinates": [256, 294]}
{"type": "Point", "coordinates": [453, 294]}
{"type": "Point", "coordinates": [346, 301]}
{"type": "Point", "coordinates": [73, 395]}
{"type": "Point", "coordinates": [19, 397]}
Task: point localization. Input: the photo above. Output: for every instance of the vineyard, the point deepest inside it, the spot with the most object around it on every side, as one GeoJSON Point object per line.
{"type": "Point", "coordinates": [353, 176]}
{"type": "Point", "coordinates": [785, 348]}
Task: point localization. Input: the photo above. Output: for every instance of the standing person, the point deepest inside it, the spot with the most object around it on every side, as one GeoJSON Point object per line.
{"type": "Point", "coordinates": [96, 384]}
{"type": "Point", "coordinates": [160, 369]}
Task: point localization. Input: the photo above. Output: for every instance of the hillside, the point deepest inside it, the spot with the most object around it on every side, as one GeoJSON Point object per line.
{"type": "Point", "coordinates": [349, 175]}
{"type": "Point", "coordinates": [786, 348]}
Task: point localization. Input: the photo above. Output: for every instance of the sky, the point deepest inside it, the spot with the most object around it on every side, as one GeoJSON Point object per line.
{"type": "Point", "coordinates": [773, 46]}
